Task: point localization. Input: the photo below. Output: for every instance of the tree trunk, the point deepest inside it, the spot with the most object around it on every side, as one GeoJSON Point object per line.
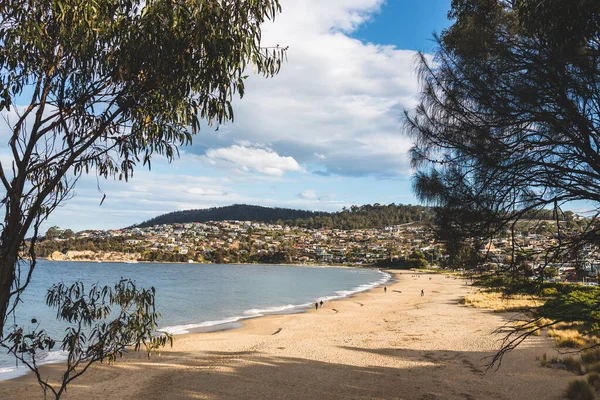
{"type": "Point", "coordinates": [10, 241]}
{"type": "Point", "coordinates": [8, 260]}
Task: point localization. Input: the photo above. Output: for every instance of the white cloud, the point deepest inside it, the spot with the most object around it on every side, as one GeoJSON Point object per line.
{"type": "Point", "coordinates": [334, 109]}
{"type": "Point", "coordinates": [205, 192]}
{"type": "Point", "coordinates": [337, 103]}
{"type": "Point", "coordinates": [309, 195]}
{"type": "Point", "coordinates": [249, 158]}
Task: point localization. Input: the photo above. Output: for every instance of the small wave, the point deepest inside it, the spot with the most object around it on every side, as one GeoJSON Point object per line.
{"type": "Point", "coordinates": [340, 294]}
{"type": "Point", "coordinates": [52, 357]}
{"type": "Point", "coordinates": [11, 372]}
{"type": "Point", "coordinates": [188, 328]}
{"type": "Point", "coordinates": [257, 312]}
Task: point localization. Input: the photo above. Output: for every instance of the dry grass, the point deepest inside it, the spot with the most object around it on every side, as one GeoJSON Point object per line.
{"type": "Point", "coordinates": [568, 338]}
{"type": "Point", "coordinates": [533, 329]}
{"type": "Point", "coordinates": [573, 335]}
{"type": "Point", "coordinates": [499, 302]}
{"type": "Point", "coordinates": [580, 390]}
{"type": "Point", "coordinates": [572, 364]}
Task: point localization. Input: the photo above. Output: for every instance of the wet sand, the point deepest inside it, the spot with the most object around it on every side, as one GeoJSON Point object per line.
{"type": "Point", "coordinates": [375, 345]}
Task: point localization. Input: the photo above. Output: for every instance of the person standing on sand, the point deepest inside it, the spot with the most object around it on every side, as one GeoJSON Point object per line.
{"type": "Point", "coordinates": [384, 289]}
{"type": "Point", "coordinates": [422, 293]}
{"type": "Point", "coordinates": [316, 306]}
{"type": "Point", "coordinates": [321, 303]}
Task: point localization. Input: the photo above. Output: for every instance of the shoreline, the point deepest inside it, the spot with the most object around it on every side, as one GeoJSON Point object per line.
{"type": "Point", "coordinates": [376, 345]}
{"type": "Point", "coordinates": [235, 322]}
{"type": "Point", "coordinates": [210, 263]}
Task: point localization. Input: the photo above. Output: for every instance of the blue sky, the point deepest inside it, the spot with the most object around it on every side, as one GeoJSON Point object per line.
{"type": "Point", "coordinates": [323, 134]}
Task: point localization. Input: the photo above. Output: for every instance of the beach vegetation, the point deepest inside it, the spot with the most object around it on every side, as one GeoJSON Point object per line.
{"type": "Point", "coordinates": [102, 323]}
{"type": "Point", "coordinates": [500, 302]}
{"type": "Point", "coordinates": [580, 390]}
{"type": "Point", "coordinates": [569, 363]}
{"type": "Point", "coordinates": [594, 380]}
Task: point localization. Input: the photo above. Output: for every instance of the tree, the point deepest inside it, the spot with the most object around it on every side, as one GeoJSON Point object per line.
{"type": "Point", "coordinates": [106, 85]}
{"type": "Point", "coordinates": [91, 336]}
{"type": "Point", "coordinates": [508, 122]}
{"type": "Point", "coordinates": [54, 232]}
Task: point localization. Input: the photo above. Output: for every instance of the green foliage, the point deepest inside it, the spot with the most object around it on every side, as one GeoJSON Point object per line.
{"type": "Point", "coordinates": [46, 247]}
{"type": "Point", "coordinates": [415, 260]}
{"type": "Point", "coordinates": [53, 232]}
{"type": "Point", "coordinates": [502, 93]}
{"type": "Point", "coordinates": [578, 305]}
{"type": "Point", "coordinates": [367, 216]}
{"type": "Point", "coordinates": [102, 323]}
{"type": "Point", "coordinates": [102, 86]}
{"type": "Point", "coordinates": [580, 390]}
{"type": "Point", "coordinates": [549, 292]}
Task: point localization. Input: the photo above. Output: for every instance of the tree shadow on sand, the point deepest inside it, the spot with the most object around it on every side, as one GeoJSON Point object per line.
{"type": "Point", "coordinates": [411, 374]}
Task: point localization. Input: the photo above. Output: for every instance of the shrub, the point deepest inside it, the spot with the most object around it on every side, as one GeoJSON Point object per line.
{"type": "Point", "coordinates": [573, 364]}
{"type": "Point", "coordinates": [567, 337]}
{"type": "Point", "coordinates": [580, 390]}
{"type": "Point", "coordinates": [549, 291]}
{"type": "Point", "coordinates": [590, 356]}
{"type": "Point", "coordinates": [593, 367]}
{"type": "Point", "coordinates": [594, 380]}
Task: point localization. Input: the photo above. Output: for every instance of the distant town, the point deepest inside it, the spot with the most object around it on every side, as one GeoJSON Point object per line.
{"type": "Point", "coordinates": [244, 241]}
{"type": "Point", "coordinates": [410, 245]}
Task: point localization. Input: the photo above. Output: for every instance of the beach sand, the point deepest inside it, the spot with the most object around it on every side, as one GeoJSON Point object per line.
{"type": "Point", "coordinates": [375, 345]}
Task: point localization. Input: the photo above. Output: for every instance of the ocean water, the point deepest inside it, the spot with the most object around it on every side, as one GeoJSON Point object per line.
{"type": "Point", "coordinates": [194, 297]}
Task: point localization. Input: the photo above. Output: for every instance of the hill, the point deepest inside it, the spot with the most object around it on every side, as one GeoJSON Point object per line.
{"type": "Point", "coordinates": [355, 217]}
{"type": "Point", "coordinates": [239, 212]}
{"type": "Point", "coordinates": [367, 216]}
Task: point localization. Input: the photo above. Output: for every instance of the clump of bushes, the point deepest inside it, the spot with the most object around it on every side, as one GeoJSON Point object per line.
{"type": "Point", "coordinates": [594, 380]}
{"type": "Point", "coordinates": [571, 364]}
{"type": "Point", "coordinates": [549, 292]}
{"type": "Point", "coordinates": [568, 338]}
{"type": "Point", "coordinates": [590, 356]}
{"type": "Point", "coordinates": [580, 390]}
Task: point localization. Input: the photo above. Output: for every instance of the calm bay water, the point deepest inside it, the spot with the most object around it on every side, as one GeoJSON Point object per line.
{"type": "Point", "coordinates": [195, 296]}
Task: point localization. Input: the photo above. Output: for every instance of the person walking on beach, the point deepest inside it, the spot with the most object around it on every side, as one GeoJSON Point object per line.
{"type": "Point", "coordinates": [384, 289]}
{"type": "Point", "coordinates": [422, 293]}
{"type": "Point", "coordinates": [321, 303]}
{"type": "Point", "coordinates": [316, 306]}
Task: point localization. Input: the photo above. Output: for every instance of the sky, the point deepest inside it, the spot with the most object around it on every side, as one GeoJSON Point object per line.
{"type": "Point", "coordinates": [325, 133]}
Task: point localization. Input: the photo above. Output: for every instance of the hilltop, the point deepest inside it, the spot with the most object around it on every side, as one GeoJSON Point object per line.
{"type": "Point", "coordinates": [356, 217]}
{"type": "Point", "coordinates": [236, 212]}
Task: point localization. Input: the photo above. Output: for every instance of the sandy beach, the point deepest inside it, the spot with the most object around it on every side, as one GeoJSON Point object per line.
{"type": "Point", "coordinates": [375, 345]}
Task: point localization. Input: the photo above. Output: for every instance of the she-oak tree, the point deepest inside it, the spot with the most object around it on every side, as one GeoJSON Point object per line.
{"type": "Point", "coordinates": [99, 86]}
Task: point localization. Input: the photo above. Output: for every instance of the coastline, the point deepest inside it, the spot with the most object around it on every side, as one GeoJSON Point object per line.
{"type": "Point", "coordinates": [317, 265]}
{"type": "Point", "coordinates": [370, 345]}
{"type": "Point", "coordinates": [228, 321]}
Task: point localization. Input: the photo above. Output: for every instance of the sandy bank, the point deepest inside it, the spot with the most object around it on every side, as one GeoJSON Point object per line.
{"type": "Point", "coordinates": [394, 345]}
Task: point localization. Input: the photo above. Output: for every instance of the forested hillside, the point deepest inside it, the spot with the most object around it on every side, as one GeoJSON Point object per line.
{"type": "Point", "coordinates": [238, 212]}
{"type": "Point", "coordinates": [367, 216]}
{"type": "Point", "coordinates": [356, 217]}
